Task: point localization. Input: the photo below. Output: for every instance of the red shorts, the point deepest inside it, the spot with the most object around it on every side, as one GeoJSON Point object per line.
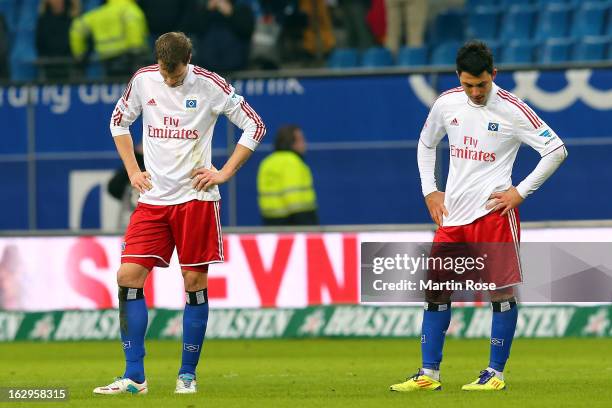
{"type": "Point", "coordinates": [194, 228]}
{"type": "Point", "coordinates": [491, 238]}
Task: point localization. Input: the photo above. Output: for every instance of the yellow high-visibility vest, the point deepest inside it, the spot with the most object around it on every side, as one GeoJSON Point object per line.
{"type": "Point", "coordinates": [284, 185]}
{"type": "Point", "coordinates": [117, 27]}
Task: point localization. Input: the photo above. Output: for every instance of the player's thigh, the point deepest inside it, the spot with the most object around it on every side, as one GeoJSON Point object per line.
{"type": "Point", "coordinates": [196, 229]}
{"type": "Point", "coordinates": [148, 240]}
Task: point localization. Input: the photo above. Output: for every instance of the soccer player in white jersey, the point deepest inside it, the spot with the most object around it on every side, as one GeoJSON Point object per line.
{"type": "Point", "coordinates": [485, 126]}
{"type": "Point", "coordinates": [179, 198]}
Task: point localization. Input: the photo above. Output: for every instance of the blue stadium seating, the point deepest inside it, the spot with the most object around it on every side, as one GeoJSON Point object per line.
{"type": "Point", "coordinates": [483, 23]}
{"type": "Point", "coordinates": [445, 54]}
{"type": "Point", "coordinates": [412, 56]}
{"type": "Point", "coordinates": [447, 26]}
{"type": "Point", "coordinates": [471, 4]}
{"type": "Point", "coordinates": [28, 15]}
{"type": "Point", "coordinates": [518, 52]}
{"type": "Point", "coordinates": [9, 10]}
{"type": "Point", "coordinates": [376, 57]}
{"type": "Point", "coordinates": [343, 58]}
{"type": "Point", "coordinates": [23, 55]}
{"type": "Point", "coordinates": [518, 23]}
{"type": "Point", "coordinates": [554, 22]}
{"type": "Point", "coordinates": [591, 49]}
{"type": "Point", "coordinates": [90, 4]}
{"type": "Point", "coordinates": [589, 19]}
{"type": "Point", "coordinates": [556, 50]}
{"type": "Point", "coordinates": [509, 3]}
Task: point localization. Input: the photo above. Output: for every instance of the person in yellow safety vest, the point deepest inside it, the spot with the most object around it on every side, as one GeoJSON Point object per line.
{"type": "Point", "coordinates": [119, 32]}
{"type": "Point", "coordinates": [284, 182]}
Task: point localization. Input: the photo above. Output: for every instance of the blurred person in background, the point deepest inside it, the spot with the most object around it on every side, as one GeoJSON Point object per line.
{"type": "Point", "coordinates": [4, 49]}
{"type": "Point", "coordinates": [222, 31]}
{"type": "Point", "coordinates": [10, 274]}
{"type": "Point", "coordinates": [164, 16]}
{"type": "Point", "coordinates": [119, 33]}
{"type": "Point", "coordinates": [354, 14]}
{"type": "Point", "coordinates": [286, 195]}
{"type": "Point", "coordinates": [377, 20]}
{"type": "Point", "coordinates": [52, 36]}
{"type": "Point", "coordinates": [119, 187]}
{"type": "Point", "coordinates": [319, 38]}
{"type": "Point", "coordinates": [405, 16]}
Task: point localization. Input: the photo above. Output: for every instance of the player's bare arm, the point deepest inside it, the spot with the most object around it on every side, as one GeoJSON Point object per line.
{"type": "Point", "coordinates": [504, 200]}
{"type": "Point", "coordinates": [140, 180]}
{"type": "Point", "coordinates": [203, 178]}
{"type": "Point", "coordinates": [435, 205]}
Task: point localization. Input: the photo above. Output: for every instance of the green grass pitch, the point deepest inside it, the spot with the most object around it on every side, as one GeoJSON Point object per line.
{"type": "Point", "coordinates": [318, 373]}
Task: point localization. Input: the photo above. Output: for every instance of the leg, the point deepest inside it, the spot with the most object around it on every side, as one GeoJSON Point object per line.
{"type": "Point", "coordinates": [436, 318]}
{"type": "Point", "coordinates": [505, 316]}
{"type": "Point", "coordinates": [133, 317]}
{"type": "Point", "coordinates": [415, 18]}
{"type": "Point", "coordinates": [195, 317]}
{"type": "Point", "coordinates": [394, 25]}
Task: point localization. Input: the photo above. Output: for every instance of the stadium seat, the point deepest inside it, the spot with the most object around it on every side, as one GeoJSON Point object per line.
{"type": "Point", "coordinates": [447, 26]}
{"type": "Point", "coordinates": [509, 3]}
{"type": "Point", "coordinates": [28, 15]}
{"type": "Point", "coordinates": [90, 4]}
{"type": "Point", "coordinates": [589, 19]}
{"type": "Point", "coordinates": [556, 50]}
{"type": "Point", "coordinates": [495, 47]}
{"type": "Point", "coordinates": [591, 49]}
{"type": "Point", "coordinates": [23, 55]}
{"type": "Point", "coordinates": [445, 54]}
{"type": "Point", "coordinates": [472, 4]}
{"type": "Point", "coordinates": [376, 57]}
{"type": "Point", "coordinates": [518, 52]}
{"type": "Point", "coordinates": [518, 23]}
{"type": "Point", "coordinates": [342, 58]}
{"type": "Point", "coordinates": [412, 56]}
{"type": "Point", "coordinates": [9, 11]}
{"type": "Point", "coordinates": [554, 22]}
{"type": "Point", "coordinates": [483, 23]}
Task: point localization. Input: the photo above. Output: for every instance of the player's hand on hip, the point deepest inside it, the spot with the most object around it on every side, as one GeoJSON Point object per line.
{"type": "Point", "coordinates": [435, 205]}
{"type": "Point", "coordinates": [203, 179]}
{"type": "Point", "coordinates": [141, 181]}
{"type": "Point", "coordinates": [504, 200]}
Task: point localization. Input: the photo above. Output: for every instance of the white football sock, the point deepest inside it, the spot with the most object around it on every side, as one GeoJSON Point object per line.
{"type": "Point", "coordinates": [435, 374]}
{"type": "Point", "coordinates": [498, 374]}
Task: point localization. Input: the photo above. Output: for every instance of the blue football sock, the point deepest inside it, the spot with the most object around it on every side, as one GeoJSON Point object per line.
{"type": "Point", "coordinates": [195, 319]}
{"type": "Point", "coordinates": [133, 317]}
{"type": "Point", "coordinates": [505, 315]}
{"type": "Point", "coordinates": [436, 319]}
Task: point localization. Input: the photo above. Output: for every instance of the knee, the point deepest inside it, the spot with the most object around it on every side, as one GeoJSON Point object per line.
{"type": "Point", "coordinates": [132, 275]}
{"type": "Point", "coordinates": [195, 280]}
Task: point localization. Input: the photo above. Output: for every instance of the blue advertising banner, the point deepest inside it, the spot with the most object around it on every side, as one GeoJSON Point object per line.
{"type": "Point", "coordinates": [362, 133]}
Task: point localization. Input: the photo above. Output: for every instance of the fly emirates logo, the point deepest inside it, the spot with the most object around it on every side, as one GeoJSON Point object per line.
{"type": "Point", "coordinates": [469, 151]}
{"type": "Point", "coordinates": [171, 130]}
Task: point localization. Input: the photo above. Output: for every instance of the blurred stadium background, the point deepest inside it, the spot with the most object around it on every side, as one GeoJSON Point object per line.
{"type": "Point", "coordinates": [361, 107]}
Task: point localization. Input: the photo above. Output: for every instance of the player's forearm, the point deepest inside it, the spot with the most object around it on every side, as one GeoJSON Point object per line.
{"type": "Point", "coordinates": [426, 159]}
{"type": "Point", "coordinates": [545, 168]}
{"type": "Point", "coordinates": [125, 147]}
{"type": "Point", "coordinates": [240, 155]}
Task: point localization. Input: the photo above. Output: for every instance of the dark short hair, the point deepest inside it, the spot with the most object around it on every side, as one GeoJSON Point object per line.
{"type": "Point", "coordinates": [285, 137]}
{"type": "Point", "coordinates": [474, 58]}
{"type": "Point", "coordinates": [172, 49]}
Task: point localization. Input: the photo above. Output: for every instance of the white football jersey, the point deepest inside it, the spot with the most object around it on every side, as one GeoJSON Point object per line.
{"type": "Point", "coordinates": [177, 128]}
{"type": "Point", "coordinates": [483, 141]}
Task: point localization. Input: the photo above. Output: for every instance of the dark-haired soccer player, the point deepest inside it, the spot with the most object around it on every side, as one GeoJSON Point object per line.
{"type": "Point", "coordinates": [179, 198]}
{"type": "Point", "coordinates": [485, 126]}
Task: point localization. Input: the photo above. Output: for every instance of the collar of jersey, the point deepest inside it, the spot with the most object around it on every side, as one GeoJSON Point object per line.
{"type": "Point", "coordinates": [490, 99]}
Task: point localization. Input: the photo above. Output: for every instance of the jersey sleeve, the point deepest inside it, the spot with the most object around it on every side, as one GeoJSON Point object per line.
{"type": "Point", "coordinates": [127, 110]}
{"type": "Point", "coordinates": [433, 130]}
{"type": "Point", "coordinates": [533, 131]}
{"type": "Point", "coordinates": [226, 101]}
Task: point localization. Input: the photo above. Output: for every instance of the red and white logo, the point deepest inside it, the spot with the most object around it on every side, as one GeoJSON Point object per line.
{"type": "Point", "coordinates": [152, 102]}
{"type": "Point", "coordinates": [455, 122]}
